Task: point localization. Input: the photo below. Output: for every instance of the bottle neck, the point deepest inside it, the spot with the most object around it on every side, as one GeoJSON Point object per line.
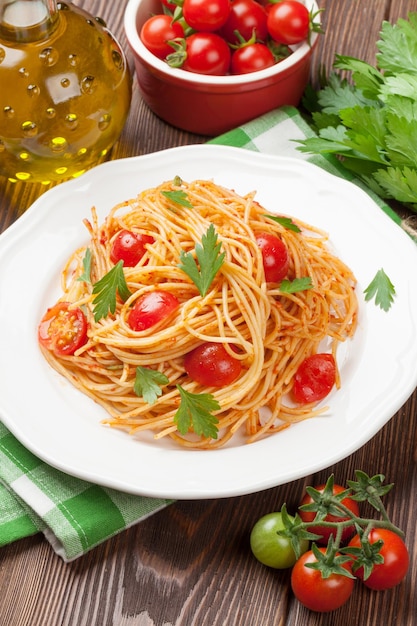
{"type": "Point", "coordinates": [25, 21]}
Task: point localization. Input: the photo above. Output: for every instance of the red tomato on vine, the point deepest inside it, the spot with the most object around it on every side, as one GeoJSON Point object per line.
{"type": "Point", "coordinates": [396, 560]}
{"type": "Point", "coordinates": [316, 592]}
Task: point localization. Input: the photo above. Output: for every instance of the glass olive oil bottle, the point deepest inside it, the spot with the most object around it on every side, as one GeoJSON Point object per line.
{"type": "Point", "coordinates": [65, 90]}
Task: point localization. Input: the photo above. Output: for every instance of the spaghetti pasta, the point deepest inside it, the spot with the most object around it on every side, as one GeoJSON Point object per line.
{"type": "Point", "coordinates": [270, 331]}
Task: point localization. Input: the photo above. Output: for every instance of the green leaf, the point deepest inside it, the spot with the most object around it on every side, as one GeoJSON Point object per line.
{"type": "Point", "coordinates": [148, 384]}
{"type": "Point", "coordinates": [366, 132]}
{"type": "Point", "coordinates": [209, 260]}
{"type": "Point", "coordinates": [286, 222]}
{"type": "Point", "coordinates": [402, 85]}
{"type": "Point", "coordinates": [86, 275]}
{"type": "Point", "coordinates": [401, 141]}
{"type": "Point", "coordinates": [298, 284]}
{"type": "Point", "coordinates": [398, 46]}
{"type": "Point", "coordinates": [294, 529]}
{"type": "Point", "coordinates": [369, 489]}
{"type": "Point", "coordinates": [367, 79]}
{"type": "Point", "coordinates": [397, 183]}
{"type": "Point", "coordinates": [106, 290]}
{"type": "Point", "coordinates": [367, 556]}
{"type": "Point", "coordinates": [195, 413]}
{"type": "Point", "coordinates": [382, 289]}
{"type": "Point", "coordinates": [339, 94]}
{"type": "Point", "coordinates": [330, 139]}
{"type": "Point", "coordinates": [324, 120]}
{"type": "Point", "coordinates": [325, 502]}
{"type": "Point", "coordinates": [329, 562]}
{"type": "Point", "coordinates": [179, 197]}
{"type": "Point", "coordinates": [370, 121]}
{"type": "Point", "coordinates": [401, 107]}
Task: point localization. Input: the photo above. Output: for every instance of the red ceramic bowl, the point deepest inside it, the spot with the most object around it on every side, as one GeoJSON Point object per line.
{"type": "Point", "coordinates": [211, 105]}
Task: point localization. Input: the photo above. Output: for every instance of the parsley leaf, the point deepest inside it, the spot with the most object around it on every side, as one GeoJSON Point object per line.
{"type": "Point", "coordinates": [370, 120]}
{"type": "Point", "coordinates": [148, 384]}
{"type": "Point", "coordinates": [286, 222]}
{"type": "Point", "coordinates": [382, 289]}
{"type": "Point", "coordinates": [209, 258]}
{"type": "Point", "coordinates": [86, 275]}
{"type": "Point", "coordinates": [179, 197]}
{"type": "Point", "coordinates": [298, 284]}
{"type": "Point", "coordinates": [106, 290]}
{"type": "Point", "coordinates": [195, 413]}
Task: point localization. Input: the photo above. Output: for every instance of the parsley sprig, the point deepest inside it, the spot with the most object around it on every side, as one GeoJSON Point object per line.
{"type": "Point", "coordinates": [382, 289]}
{"type": "Point", "coordinates": [178, 196]}
{"type": "Point", "coordinates": [298, 284]}
{"type": "Point", "coordinates": [286, 222]}
{"type": "Point", "coordinates": [148, 383]}
{"type": "Point", "coordinates": [87, 259]}
{"type": "Point", "coordinates": [209, 258]}
{"type": "Point", "coordinates": [195, 413]}
{"type": "Point", "coordinates": [370, 121]}
{"type": "Point", "coordinates": [106, 290]}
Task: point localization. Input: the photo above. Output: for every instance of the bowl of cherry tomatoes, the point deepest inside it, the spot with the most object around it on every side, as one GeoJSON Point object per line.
{"type": "Point", "coordinates": [207, 66]}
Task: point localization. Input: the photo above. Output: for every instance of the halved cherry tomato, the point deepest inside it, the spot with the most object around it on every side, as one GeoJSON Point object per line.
{"type": "Point", "coordinates": [275, 256]}
{"type": "Point", "coordinates": [248, 19]}
{"type": "Point", "coordinates": [318, 593]}
{"type": "Point", "coordinates": [157, 31]}
{"type": "Point", "coordinates": [63, 329]}
{"type": "Point", "coordinates": [211, 365]}
{"type": "Point", "coordinates": [314, 378]}
{"type": "Point", "coordinates": [396, 560]}
{"type": "Point", "coordinates": [325, 532]}
{"type": "Point", "coordinates": [151, 308]}
{"type": "Point", "coordinates": [288, 22]}
{"type": "Point", "coordinates": [129, 247]}
{"type": "Point", "coordinates": [251, 58]}
{"type": "Point", "coordinates": [205, 16]}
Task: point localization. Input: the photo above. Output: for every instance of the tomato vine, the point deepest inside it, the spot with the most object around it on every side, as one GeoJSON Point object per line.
{"type": "Point", "coordinates": [377, 553]}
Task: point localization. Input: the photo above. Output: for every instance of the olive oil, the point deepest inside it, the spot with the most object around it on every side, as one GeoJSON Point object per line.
{"type": "Point", "coordinates": [65, 90]}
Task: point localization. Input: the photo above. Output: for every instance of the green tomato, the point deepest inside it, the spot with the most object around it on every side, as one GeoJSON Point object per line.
{"type": "Point", "coordinates": [269, 547]}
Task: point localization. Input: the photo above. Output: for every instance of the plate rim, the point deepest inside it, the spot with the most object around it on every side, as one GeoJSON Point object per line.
{"type": "Point", "coordinates": [201, 151]}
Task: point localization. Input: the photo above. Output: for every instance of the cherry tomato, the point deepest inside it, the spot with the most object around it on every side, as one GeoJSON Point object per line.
{"type": "Point", "coordinates": [129, 247]}
{"type": "Point", "coordinates": [151, 308]}
{"type": "Point", "coordinates": [251, 58]}
{"type": "Point", "coordinates": [318, 593]}
{"type": "Point", "coordinates": [206, 16]}
{"type": "Point", "coordinates": [207, 53]}
{"type": "Point", "coordinates": [314, 378]}
{"type": "Point", "coordinates": [275, 257]}
{"type": "Point", "coordinates": [248, 18]}
{"type": "Point", "coordinates": [396, 560]}
{"type": "Point", "coordinates": [157, 31]}
{"type": "Point", "coordinates": [288, 22]}
{"type": "Point", "coordinates": [269, 547]}
{"type": "Point", "coordinates": [211, 365]}
{"type": "Point", "coordinates": [325, 532]}
{"type": "Point", "coordinates": [63, 329]}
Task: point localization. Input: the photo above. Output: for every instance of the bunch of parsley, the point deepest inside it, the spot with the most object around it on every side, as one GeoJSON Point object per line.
{"type": "Point", "coordinates": [370, 120]}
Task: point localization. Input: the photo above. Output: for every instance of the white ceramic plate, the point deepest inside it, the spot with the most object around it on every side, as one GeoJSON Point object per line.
{"type": "Point", "coordinates": [60, 425]}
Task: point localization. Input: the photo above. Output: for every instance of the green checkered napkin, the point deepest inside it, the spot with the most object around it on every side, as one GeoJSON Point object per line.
{"type": "Point", "coordinates": [75, 515]}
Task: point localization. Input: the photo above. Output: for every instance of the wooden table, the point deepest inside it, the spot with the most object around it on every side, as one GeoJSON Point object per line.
{"type": "Point", "coordinates": [190, 564]}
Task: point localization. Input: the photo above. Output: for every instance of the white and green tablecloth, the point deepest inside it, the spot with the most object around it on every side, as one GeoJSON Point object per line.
{"type": "Point", "coordinates": [75, 515]}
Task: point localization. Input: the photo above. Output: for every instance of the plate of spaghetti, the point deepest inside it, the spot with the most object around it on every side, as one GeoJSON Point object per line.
{"type": "Point", "coordinates": [194, 322]}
